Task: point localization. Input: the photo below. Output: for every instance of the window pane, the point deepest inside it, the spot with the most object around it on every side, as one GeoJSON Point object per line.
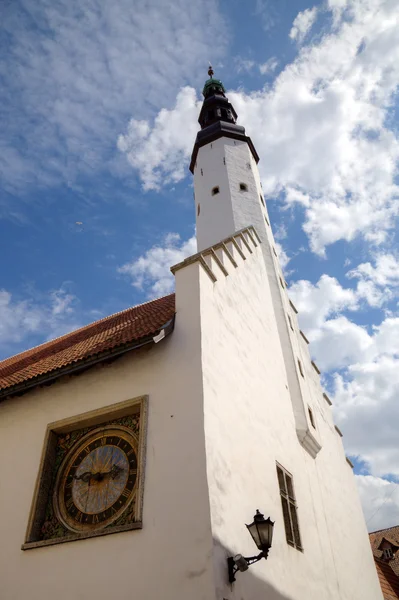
{"type": "Point", "coordinates": [281, 481]}
{"type": "Point", "coordinates": [290, 489]}
{"type": "Point", "coordinates": [295, 525]}
{"type": "Point", "coordinates": [287, 521]}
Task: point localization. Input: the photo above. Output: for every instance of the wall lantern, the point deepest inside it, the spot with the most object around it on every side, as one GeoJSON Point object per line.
{"type": "Point", "coordinates": [261, 531]}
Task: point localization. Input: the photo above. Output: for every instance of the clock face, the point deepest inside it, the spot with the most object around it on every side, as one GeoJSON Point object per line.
{"type": "Point", "coordinates": [97, 480]}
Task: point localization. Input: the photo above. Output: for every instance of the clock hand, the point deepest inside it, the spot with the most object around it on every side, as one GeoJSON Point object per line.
{"type": "Point", "coordinates": [88, 476]}
{"type": "Point", "coordinates": [84, 477]}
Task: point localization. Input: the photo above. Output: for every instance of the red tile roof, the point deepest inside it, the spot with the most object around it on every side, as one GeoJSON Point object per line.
{"type": "Point", "coordinates": [388, 580]}
{"type": "Point", "coordinates": [392, 535]}
{"type": "Point", "coordinates": [102, 338]}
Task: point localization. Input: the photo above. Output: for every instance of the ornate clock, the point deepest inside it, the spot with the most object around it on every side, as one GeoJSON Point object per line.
{"type": "Point", "coordinates": [90, 480]}
{"type": "Point", "coordinates": [97, 480]}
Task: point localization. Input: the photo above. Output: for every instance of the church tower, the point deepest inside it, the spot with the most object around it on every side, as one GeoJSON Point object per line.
{"type": "Point", "coordinates": [228, 198]}
{"type": "Point", "coordinates": [143, 443]}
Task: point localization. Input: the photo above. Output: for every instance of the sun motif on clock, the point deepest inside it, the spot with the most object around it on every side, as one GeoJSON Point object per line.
{"type": "Point", "coordinates": [97, 480]}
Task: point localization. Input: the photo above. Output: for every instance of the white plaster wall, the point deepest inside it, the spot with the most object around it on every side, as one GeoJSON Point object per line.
{"type": "Point", "coordinates": [227, 163]}
{"type": "Point", "coordinates": [249, 425]}
{"type": "Point", "coordinates": [170, 558]}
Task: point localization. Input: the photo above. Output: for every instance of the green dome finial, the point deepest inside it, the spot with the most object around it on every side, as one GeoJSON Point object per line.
{"type": "Point", "coordinates": [212, 86]}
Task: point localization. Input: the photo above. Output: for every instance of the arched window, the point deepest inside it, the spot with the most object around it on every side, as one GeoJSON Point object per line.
{"type": "Point", "coordinates": [215, 190]}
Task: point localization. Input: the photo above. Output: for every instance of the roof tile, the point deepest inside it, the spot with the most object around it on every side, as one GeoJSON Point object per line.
{"type": "Point", "coordinates": [102, 336]}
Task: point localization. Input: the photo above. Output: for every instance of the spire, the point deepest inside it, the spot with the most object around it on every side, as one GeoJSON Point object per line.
{"type": "Point", "coordinates": [216, 106]}
{"type": "Point", "coordinates": [217, 118]}
{"type": "Point", "coordinates": [212, 86]}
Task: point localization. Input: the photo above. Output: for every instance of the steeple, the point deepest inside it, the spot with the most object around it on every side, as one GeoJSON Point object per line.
{"type": "Point", "coordinates": [216, 106]}
{"type": "Point", "coordinates": [217, 118]}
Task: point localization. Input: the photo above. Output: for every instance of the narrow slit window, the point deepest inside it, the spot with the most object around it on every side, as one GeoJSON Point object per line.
{"type": "Point", "coordinates": [290, 322]}
{"type": "Point", "coordinates": [224, 160]}
{"type": "Point", "coordinates": [202, 172]}
{"type": "Point", "coordinates": [290, 509]}
{"type": "Point", "coordinates": [311, 417]}
{"type": "Point", "coordinates": [243, 187]}
{"type": "Point", "coordinates": [261, 199]}
{"type": "Point", "coordinates": [274, 251]}
{"type": "Point", "coordinates": [267, 221]}
{"type": "Point", "coordinates": [215, 190]}
{"type": "Point", "coordinates": [300, 368]}
{"type": "Point", "coordinates": [282, 283]}
{"type": "Point", "coordinates": [198, 209]}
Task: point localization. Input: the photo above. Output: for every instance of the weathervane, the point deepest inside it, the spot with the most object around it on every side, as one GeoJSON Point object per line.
{"type": "Point", "coordinates": [210, 70]}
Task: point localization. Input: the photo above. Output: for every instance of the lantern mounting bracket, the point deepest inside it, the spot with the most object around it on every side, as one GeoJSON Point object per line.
{"type": "Point", "coordinates": [250, 560]}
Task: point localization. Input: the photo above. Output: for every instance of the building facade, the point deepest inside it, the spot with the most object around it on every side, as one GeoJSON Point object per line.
{"type": "Point", "coordinates": [134, 451]}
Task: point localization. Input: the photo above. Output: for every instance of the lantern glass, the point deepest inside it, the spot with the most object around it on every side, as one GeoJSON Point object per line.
{"type": "Point", "coordinates": [261, 531]}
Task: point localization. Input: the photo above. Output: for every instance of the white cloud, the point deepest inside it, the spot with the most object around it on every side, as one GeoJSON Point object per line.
{"type": "Point", "coordinates": [380, 501]}
{"type": "Point", "coordinates": [385, 272]}
{"type": "Point", "coordinates": [283, 257]}
{"type": "Point", "coordinates": [366, 389]}
{"type": "Point", "coordinates": [22, 319]}
{"type": "Point", "coordinates": [244, 65]}
{"type": "Point", "coordinates": [367, 410]}
{"type": "Point", "coordinates": [322, 129]}
{"type": "Point", "coordinates": [317, 302]}
{"type": "Point", "coordinates": [302, 24]}
{"type": "Point", "coordinates": [172, 136]}
{"type": "Point", "coordinates": [269, 66]}
{"type": "Point", "coordinates": [151, 271]}
{"type": "Point", "coordinates": [73, 70]}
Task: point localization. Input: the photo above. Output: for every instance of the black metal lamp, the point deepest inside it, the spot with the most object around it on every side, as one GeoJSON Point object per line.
{"type": "Point", "coordinates": [261, 531]}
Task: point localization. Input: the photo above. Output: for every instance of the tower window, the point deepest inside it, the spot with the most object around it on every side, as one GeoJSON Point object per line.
{"type": "Point", "coordinates": [198, 209]}
{"type": "Point", "coordinates": [261, 199]}
{"type": "Point", "coordinates": [215, 190]}
{"type": "Point", "coordinates": [243, 187]}
{"type": "Point", "coordinates": [311, 418]}
{"type": "Point", "coordinates": [202, 172]}
{"type": "Point", "coordinates": [224, 160]}
{"type": "Point", "coordinates": [289, 506]}
{"type": "Point", "coordinates": [290, 322]}
{"type": "Point", "coordinates": [274, 251]}
{"type": "Point", "coordinates": [282, 283]}
{"type": "Point", "coordinates": [300, 368]}
{"type": "Point", "coordinates": [267, 222]}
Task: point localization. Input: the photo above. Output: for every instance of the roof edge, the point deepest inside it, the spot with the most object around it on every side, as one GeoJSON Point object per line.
{"type": "Point", "coordinates": [50, 377]}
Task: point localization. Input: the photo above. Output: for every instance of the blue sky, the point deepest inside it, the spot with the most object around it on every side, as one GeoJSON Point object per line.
{"type": "Point", "coordinates": [98, 118]}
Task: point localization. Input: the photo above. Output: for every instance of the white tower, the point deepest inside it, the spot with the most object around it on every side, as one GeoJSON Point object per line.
{"type": "Point", "coordinates": [228, 198]}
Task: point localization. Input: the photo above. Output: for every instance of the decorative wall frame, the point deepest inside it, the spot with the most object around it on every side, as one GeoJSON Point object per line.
{"type": "Point", "coordinates": [91, 475]}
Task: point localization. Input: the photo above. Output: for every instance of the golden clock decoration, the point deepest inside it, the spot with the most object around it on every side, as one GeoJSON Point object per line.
{"type": "Point", "coordinates": [97, 479]}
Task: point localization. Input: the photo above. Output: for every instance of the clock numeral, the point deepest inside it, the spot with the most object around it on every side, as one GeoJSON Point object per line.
{"type": "Point", "coordinates": [69, 504]}
{"type": "Point", "coordinates": [103, 441]}
{"type": "Point", "coordinates": [95, 519]}
{"type": "Point", "coordinates": [87, 450]}
{"type": "Point", "coordinates": [79, 517]}
{"type": "Point", "coordinates": [113, 510]}
{"type": "Point", "coordinates": [131, 451]}
{"type": "Point", "coordinates": [126, 493]}
{"type": "Point", "coordinates": [133, 472]}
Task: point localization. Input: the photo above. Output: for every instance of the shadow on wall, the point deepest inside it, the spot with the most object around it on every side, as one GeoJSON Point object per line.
{"type": "Point", "coordinates": [247, 586]}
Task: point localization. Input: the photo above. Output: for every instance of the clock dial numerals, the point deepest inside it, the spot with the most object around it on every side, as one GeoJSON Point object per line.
{"type": "Point", "coordinates": [99, 480]}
